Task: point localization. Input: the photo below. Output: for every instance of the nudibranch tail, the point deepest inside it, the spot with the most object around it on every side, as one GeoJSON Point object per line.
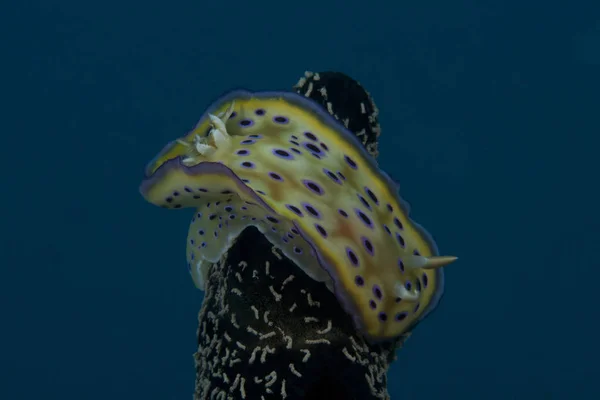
{"type": "Point", "coordinates": [433, 262]}
{"type": "Point", "coordinates": [277, 161]}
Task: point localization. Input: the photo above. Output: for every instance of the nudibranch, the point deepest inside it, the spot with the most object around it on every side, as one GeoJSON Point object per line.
{"type": "Point", "coordinates": [279, 162]}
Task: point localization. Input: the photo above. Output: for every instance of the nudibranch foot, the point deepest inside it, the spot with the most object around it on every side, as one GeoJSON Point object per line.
{"type": "Point", "coordinates": [279, 162]}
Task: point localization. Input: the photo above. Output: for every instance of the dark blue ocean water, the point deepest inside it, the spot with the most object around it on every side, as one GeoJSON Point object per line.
{"type": "Point", "coordinates": [490, 118]}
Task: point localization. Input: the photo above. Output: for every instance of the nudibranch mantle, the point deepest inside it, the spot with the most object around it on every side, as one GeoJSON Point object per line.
{"type": "Point", "coordinates": [277, 161]}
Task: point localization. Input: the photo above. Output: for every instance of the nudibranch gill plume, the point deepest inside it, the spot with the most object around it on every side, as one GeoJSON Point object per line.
{"type": "Point", "coordinates": [279, 162]}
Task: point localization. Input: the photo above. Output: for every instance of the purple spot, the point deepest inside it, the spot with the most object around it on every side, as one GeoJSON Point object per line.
{"type": "Point", "coordinates": [385, 227]}
{"type": "Point", "coordinates": [295, 231]}
{"type": "Point", "coordinates": [260, 192]}
{"type": "Point", "coordinates": [401, 316]}
{"type": "Point", "coordinates": [290, 235]}
{"type": "Point", "coordinates": [217, 233]}
{"type": "Point", "coordinates": [201, 232]}
{"type": "Point", "coordinates": [279, 119]}
{"type": "Point", "coordinates": [377, 292]}
{"type": "Point", "coordinates": [372, 304]}
{"type": "Point", "coordinates": [247, 164]}
{"type": "Point", "coordinates": [192, 242]}
{"type": "Point", "coordinates": [332, 176]}
{"type": "Point", "coordinates": [398, 299]}
{"type": "Point", "coordinates": [228, 208]}
{"type": "Point", "coordinates": [418, 285]}
{"type": "Point", "coordinates": [425, 279]}
{"type": "Point", "coordinates": [283, 154]}
{"type": "Point", "coordinates": [312, 148]}
{"type": "Point", "coordinates": [231, 216]}
{"type": "Point", "coordinates": [233, 114]}
{"type": "Point", "coordinates": [352, 256]}
{"type": "Point", "coordinates": [400, 240]}
{"type": "Point", "coordinates": [260, 111]}
{"type": "Point", "coordinates": [294, 137]}
{"type": "Point", "coordinates": [297, 250]}
{"type": "Point", "coordinates": [169, 199]}
{"type": "Point", "coordinates": [202, 190]}
{"type": "Point", "coordinates": [295, 150]}
{"type": "Point", "coordinates": [401, 264]}
{"type": "Point", "coordinates": [294, 209]}
{"type": "Point", "coordinates": [321, 230]}
{"type": "Point", "coordinates": [408, 285]}
{"type": "Point", "coordinates": [294, 143]}
{"type": "Point", "coordinates": [284, 239]}
{"type": "Point", "coordinates": [245, 123]}
{"type": "Point", "coordinates": [248, 141]}
{"type": "Point", "coordinates": [275, 176]}
{"type": "Point", "coordinates": [390, 208]}
{"type": "Point", "coordinates": [311, 210]}
{"type": "Point", "coordinates": [364, 201]}
{"type": "Point", "coordinates": [187, 189]}
{"type": "Point", "coordinates": [343, 213]}
{"type": "Point", "coordinates": [272, 219]}
{"type": "Point", "coordinates": [242, 152]}
{"type": "Point", "coordinates": [416, 252]}
{"type": "Point", "coordinates": [314, 187]}
{"type": "Point", "coordinates": [324, 146]}
{"type": "Point", "coordinates": [255, 136]}
{"type": "Point", "coordinates": [398, 223]}
{"type": "Point", "coordinates": [341, 176]}
{"type": "Point", "coordinates": [382, 316]}
{"type": "Point", "coordinates": [363, 217]}
{"type": "Point", "coordinates": [350, 162]}
{"type": "Point", "coordinates": [359, 280]}
{"type": "Point", "coordinates": [417, 307]}
{"type": "Point", "coordinates": [368, 245]}
{"type": "Point", "coordinates": [310, 135]}
{"type": "Point", "coordinates": [244, 208]}
{"type": "Point", "coordinates": [203, 244]}
{"type": "Point", "coordinates": [371, 195]}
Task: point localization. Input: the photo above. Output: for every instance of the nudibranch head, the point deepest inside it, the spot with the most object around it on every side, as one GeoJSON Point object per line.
{"type": "Point", "coordinates": [278, 161]}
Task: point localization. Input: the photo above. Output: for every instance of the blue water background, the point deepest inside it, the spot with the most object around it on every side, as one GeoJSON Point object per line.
{"type": "Point", "coordinates": [490, 118]}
